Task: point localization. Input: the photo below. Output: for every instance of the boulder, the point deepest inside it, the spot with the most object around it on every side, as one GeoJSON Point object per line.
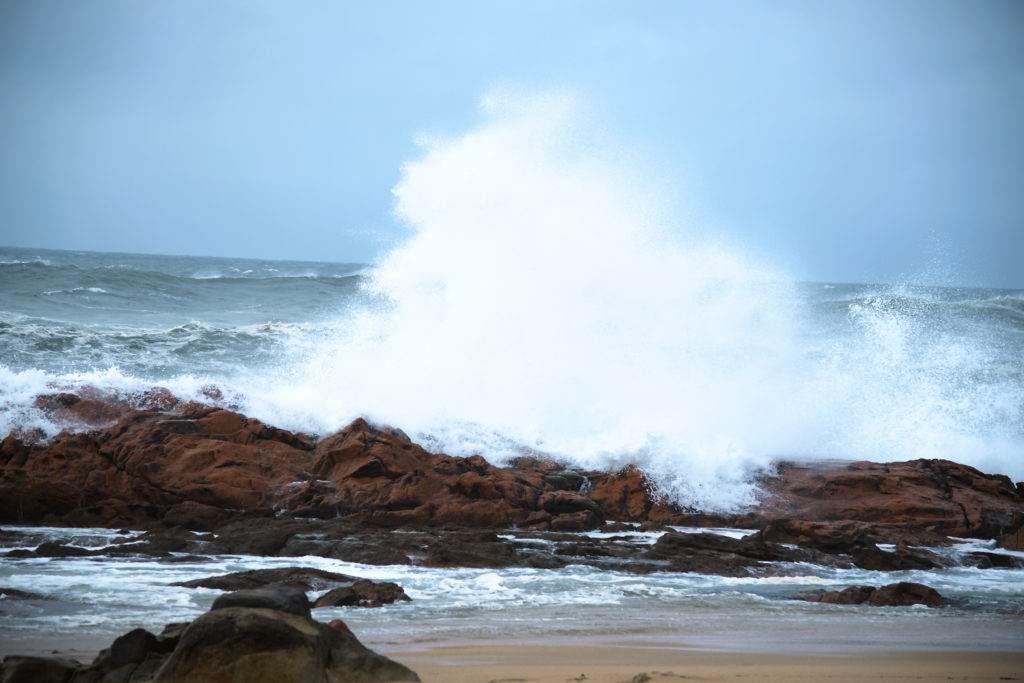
{"type": "Point", "coordinates": [901, 594]}
{"type": "Point", "coordinates": [244, 639]}
{"type": "Point", "coordinates": [27, 669]}
{"type": "Point", "coordinates": [362, 593]}
{"type": "Point", "coordinates": [905, 593]}
{"type": "Point", "coordinates": [279, 598]}
{"type": "Point", "coordinates": [304, 578]}
{"type": "Point", "coordinates": [253, 636]}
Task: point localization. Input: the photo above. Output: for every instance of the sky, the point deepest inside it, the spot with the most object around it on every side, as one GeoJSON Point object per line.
{"type": "Point", "coordinates": [866, 141]}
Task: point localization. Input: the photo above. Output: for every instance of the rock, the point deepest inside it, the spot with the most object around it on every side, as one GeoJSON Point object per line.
{"type": "Point", "coordinates": [258, 645]}
{"type": "Point", "coordinates": [362, 593]}
{"type": "Point", "coordinates": [303, 578]}
{"type": "Point", "coordinates": [15, 594]}
{"type": "Point", "coordinates": [26, 669]}
{"type": "Point", "coordinates": [854, 595]}
{"type": "Point", "coordinates": [1013, 540]}
{"type": "Point", "coordinates": [194, 516]}
{"type": "Point", "coordinates": [905, 593]}
{"type": "Point", "coordinates": [936, 496]}
{"type": "Point", "coordinates": [135, 656]}
{"type": "Point", "coordinates": [894, 595]}
{"type": "Point", "coordinates": [716, 554]}
{"type": "Point", "coordinates": [181, 464]}
{"type": "Point", "coordinates": [831, 537]}
{"type": "Point", "coordinates": [903, 558]}
{"type": "Point", "coordinates": [280, 598]}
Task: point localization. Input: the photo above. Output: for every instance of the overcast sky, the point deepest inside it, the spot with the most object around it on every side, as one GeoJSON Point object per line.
{"type": "Point", "coordinates": [849, 141]}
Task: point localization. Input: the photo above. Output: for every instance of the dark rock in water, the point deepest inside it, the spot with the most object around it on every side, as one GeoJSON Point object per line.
{"type": "Point", "coordinates": [894, 595]}
{"type": "Point", "coordinates": [362, 593]}
{"type": "Point", "coordinates": [984, 560]}
{"type": "Point", "coordinates": [305, 578]}
{"type": "Point", "coordinates": [25, 669]}
{"type": "Point", "coordinates": [903, 558]}
{"type": "Point", "coordinates": [15, 594]}
{"type": "Point", "coordinates": [716, 554]}
{"type": "Point", "coordinates": [905, 593]}
{"type": "Point", "coordinates": [831, 537]}
{"type": "Point", "coordinates": [280, 598]}
{"type": "Point", "coordinates": [854, 595]}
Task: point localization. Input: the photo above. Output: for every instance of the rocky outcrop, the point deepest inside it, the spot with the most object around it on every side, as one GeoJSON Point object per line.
{"type": "Point", "coordinates": [255, 636]}
{"type": "Point", "coordinates": [201, 466]}
{"type": "Point", "coordinates": [157, 460]}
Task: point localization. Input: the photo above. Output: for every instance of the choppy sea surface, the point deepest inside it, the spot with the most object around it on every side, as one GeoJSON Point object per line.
{"type": "Point", "coordinates": [705, 397]}
{"type": "Point", "coordinates": [701, 377]}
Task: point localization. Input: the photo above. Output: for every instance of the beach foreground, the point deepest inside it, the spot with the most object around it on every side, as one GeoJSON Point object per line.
{"type": "Point", "coordinates": [658, 662]}
{"type": "Point", "coordinates": [653, 661]}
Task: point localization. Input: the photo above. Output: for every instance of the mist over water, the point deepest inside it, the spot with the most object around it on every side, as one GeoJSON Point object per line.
{"type": "Point", "coordinates": [542, 302]}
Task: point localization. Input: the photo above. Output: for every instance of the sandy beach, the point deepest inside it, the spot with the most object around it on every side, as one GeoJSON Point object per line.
{"type": "Point", "coordinates": [655, 662]}
{"type": "Point", "coordinates": [660, 662]}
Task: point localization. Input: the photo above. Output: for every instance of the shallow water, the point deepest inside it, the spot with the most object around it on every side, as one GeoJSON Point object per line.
{"type": "Point", "coordinates": [101, 598]}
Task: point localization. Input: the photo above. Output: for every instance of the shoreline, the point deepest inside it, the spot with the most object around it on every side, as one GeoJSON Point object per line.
{"type": "Point", "coordinates": [601, 664]}
{"type": "Point", "coordinates": [655, 661]}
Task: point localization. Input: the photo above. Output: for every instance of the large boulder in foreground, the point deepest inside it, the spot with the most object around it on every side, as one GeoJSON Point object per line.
{"type": "Point", "coordinates": [262, 635]}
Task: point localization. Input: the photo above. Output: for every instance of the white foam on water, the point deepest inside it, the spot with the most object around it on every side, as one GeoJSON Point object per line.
{"type": "Point", "coordinates": [544, 300]}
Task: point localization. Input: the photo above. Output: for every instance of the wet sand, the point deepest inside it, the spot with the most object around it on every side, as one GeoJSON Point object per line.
{"type": "Point", "coordinates": [659, 663]}
{"type": "Point", "coordinates": [571, 661]}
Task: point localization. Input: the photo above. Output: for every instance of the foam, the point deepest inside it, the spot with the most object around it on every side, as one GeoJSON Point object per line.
{"type": "Point", "coordinates": [543, 302]}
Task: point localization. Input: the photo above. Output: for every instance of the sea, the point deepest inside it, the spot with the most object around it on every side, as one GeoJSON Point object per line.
{"type": "Point", "coordinates": [544, 294]}
{"type": "Point", "coordinates": [702, 397]}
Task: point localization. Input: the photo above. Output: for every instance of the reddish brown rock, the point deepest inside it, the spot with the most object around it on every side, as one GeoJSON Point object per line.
{"type": "Point", "coordinates": [1013, 540]}
{"type": "Point", "coordinates": [199, 467]}
{"type": "Point", "coordinates": [935, 496]}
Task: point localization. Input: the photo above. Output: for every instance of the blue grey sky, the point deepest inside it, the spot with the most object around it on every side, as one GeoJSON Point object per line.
{"type": "Point", "coordinates": [857, 141]}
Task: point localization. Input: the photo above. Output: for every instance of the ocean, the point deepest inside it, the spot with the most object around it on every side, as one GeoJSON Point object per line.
{"type": "Point", "coordinates": [701, 379]}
